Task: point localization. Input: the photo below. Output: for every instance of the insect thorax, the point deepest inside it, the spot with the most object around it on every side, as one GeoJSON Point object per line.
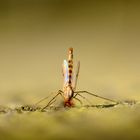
{"type": "Point", "coordinates": [68, 92]}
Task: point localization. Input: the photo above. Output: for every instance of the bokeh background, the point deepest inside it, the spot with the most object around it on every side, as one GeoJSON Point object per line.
{"type": "Point", "coordinates": [35, 36]}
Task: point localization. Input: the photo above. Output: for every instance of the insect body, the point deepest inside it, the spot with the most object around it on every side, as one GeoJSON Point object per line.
{"type": "Point", "coordinates": [70, 77]}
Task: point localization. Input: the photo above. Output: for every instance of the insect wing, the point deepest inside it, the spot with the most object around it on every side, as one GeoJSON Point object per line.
{"type": "Point", "coordinates": [76, 75]}
{"type": "Point", "coordinates": [65, 72]}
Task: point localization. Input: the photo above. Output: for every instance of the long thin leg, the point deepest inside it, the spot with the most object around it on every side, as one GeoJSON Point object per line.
{"type": "Point", "coordinates": [52, 102]}
{"type": "Point", "coordinates": [78, 100]}
{"type": "Point", "coordinates": [75, 95]}
{"type": "Point", "coordinates": [59, 93]}
{"type": "Point", "coordinates": [45, 98]}
{"type": "Point", "coordinates": [84, 98]}
{"type": "Point", "coordinates": [96, 96]}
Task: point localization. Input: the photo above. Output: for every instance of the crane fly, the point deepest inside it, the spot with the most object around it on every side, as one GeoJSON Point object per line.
{"type": "Point", "coordinates": [69, 93]}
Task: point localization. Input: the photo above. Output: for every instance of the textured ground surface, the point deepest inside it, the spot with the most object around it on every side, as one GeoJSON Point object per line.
{"type": "Point", "coordinates": [120, 121]}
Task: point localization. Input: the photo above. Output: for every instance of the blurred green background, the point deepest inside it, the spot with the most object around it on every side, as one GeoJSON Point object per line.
{"type": "Point", "coordinates": [35, 36]}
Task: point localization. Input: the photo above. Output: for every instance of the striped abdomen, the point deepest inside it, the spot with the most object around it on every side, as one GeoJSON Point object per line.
{"type": "Point", "coordinates": [70, 66]}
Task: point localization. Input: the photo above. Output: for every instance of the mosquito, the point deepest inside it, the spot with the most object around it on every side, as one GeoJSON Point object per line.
{"type": "Point", "coordinates": [69, 93]}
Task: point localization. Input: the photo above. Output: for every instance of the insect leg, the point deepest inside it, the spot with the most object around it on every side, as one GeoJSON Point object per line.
{"type": "Point", "coordinates": [42, 100]}
{"type": "Point", "coordinates": [46, 98]}
{"type": "Point", "coordinates": [83, 97]}
{"type": "Point", "coordinates": [96, 96]}
{"type": "Point", "coordinates": [50, 102]}
{"type": "Point", "coordinates": [78, 100]}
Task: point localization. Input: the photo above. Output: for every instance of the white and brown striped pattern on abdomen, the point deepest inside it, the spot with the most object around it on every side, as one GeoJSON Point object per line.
{"type": "Point", "coordinates": [70, 66]}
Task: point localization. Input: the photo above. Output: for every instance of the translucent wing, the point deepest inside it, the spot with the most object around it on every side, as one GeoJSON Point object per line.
{"type": "Point", "coordinates": [74, 82]}
{"type": "Point", "coordinates": [65, 72]}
